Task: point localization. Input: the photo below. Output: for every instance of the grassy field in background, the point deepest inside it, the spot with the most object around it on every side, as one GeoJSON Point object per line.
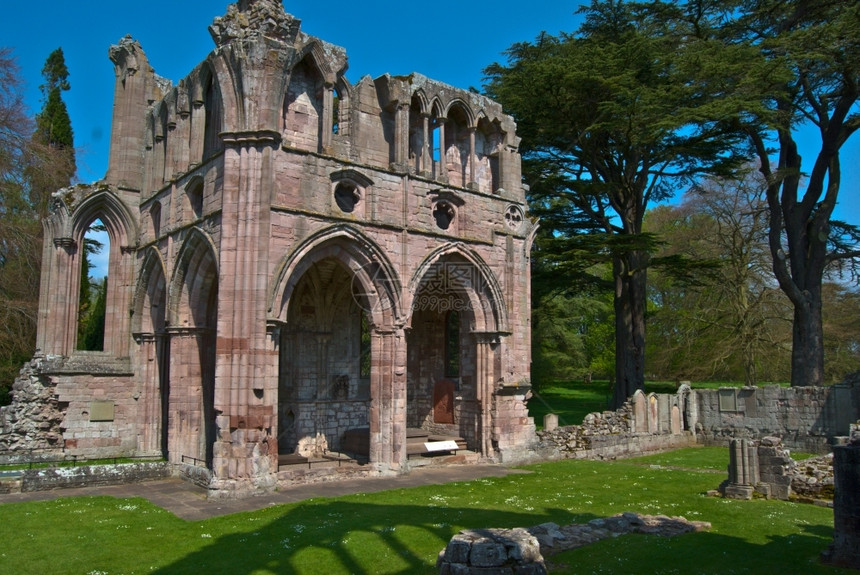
{"type": "Point", "coordinates": [401, 531]}
{"type": "Point", "coordinates": [573, 400]}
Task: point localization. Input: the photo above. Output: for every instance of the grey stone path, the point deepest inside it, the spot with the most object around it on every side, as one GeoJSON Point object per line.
{"type": "Point", "coordinates": [189, 502]}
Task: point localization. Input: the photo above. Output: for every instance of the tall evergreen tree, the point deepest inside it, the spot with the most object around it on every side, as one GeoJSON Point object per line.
{"type": "Point", "coordinates": [53, 124]}
{"type": "Point", "coordinates": [610, 123]}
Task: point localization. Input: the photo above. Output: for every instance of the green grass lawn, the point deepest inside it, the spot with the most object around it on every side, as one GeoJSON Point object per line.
{"type": "Point", "coordinates": [401, 531]}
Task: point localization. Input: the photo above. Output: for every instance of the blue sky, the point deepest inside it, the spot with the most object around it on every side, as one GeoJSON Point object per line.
{"type": "Point", "coordinates": [447, 41]}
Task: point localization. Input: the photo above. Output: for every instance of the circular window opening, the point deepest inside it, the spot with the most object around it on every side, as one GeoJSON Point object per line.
{"type": "Point", "coordinates": [514, 217]}
{"type": "Point", "coordinates": [443, 213]}
{"type": "Point", "coordinates": [346, 197]}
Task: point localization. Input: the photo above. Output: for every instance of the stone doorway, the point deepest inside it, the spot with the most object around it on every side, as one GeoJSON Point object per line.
{"type": "Point", "coordinates": [441, 368]}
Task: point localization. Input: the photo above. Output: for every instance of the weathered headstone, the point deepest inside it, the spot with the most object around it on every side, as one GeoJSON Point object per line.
{"type": "Point", "coordinates": [676, 420]}
{"type": "Point", "coordinates": [640, 412]}
{"type": "Point", "coordinates": [550, 421]}
{"type": "Point", "coordinates": [653, 418]}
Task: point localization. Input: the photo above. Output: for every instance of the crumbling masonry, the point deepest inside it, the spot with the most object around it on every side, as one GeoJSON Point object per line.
{"type": "Point", "coordinates": [294, 260]}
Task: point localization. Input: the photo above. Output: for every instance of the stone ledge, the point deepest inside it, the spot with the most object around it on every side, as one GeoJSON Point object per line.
{"type": "Point", "coordinates": [46, 479]}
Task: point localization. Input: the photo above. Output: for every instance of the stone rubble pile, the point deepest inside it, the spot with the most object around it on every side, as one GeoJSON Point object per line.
{"type": "Point", "coordinates": [813, 477]}
{"type": "Point", "coordinates": [522, 551]}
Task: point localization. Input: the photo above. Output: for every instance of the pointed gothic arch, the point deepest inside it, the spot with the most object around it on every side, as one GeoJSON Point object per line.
{"type": "Point", "coordinates": [192, 324]}
{"type": "Point", "coordinates": [374, 273]}
{"type": "Point", "coordinates": [485, 296]}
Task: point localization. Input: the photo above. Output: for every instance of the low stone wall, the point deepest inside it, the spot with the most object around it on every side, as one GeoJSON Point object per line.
{"type": "Point", "coordinates": [614, 434]}
{"type": "Point", "coordinates": [92, 475]}
{"type": "Point", "coordinates": [805, 418]}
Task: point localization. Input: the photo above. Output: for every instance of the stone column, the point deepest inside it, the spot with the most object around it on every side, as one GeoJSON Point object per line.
{"type": "Point", "coordinates": [388, 398]}
{"type": "Point", "coordinates": [244, 353]}
{"type": "Point", "coordinates": [473, 159]}
{"type": "Point", "coordinates": [148, 396]}
{"type": "Point", "coordinates": [134, 88]}
{"type": "Point", "coordinates": [442, 167]}
{"type": "Point", "coordinates": [158, 168]}
{"type": "Point", "coordinates": [743, 469]}
{"type": "Point", "coordinates": [486, 376]}
{"type": "Point", "coordinates": [198, 129]}
{"type": "Point", "coordinates": [59, 328]}
{"type": "Point", "coordinates": [845, 549]}
{"type": "Point", "coordinates": [186, 435]}
{"type": "Point", "coordinates": [120, 293]}
{"type": "Point", "coordinates": [425, 148]}
{"type": "Point", "coordinates": [182, 132]}
{"type": "Point", "coordinates": [327, 117]}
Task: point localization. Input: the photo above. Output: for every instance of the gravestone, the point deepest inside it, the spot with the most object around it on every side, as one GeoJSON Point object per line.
{"type": "Point", "coordinates": [640, 412]}
{"type": "Point", "coordinates": [653, 417]}
{"type": "Point", "coordinates": [676, 420]}
{"type": "Point", "coordinates": [550, 421]}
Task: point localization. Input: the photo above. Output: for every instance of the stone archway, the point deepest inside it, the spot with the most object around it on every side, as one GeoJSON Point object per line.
{"type": "Point", "coordinates": [340, 345]}
{"type": "Point", "coordinates": [149, 327]}
{"type": "Point", "coordinates": [454, 308]}
{"type": "Point", "coordinates": [323, 379]}
{"type": "Point", "coordinates": [192, 330]}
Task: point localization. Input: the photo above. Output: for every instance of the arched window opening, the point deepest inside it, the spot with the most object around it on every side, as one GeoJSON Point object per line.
{"type": "Point", "coordinates": [303, 107]}
{"type": "Point", "coordinates": [435, 143]}
{"type": "Point", "coordinates": [155, 217]}
{"type": "Point", "coordinates": [457, 146]}
{"type": "Point", "coordinates": [212, 104]}
{"type": "Point", "coordinates": [195, 196]}
{"type": "Point", "coordinates": [335, 113]}
{"type": "Point", "coordinates": [452, 345]}
{"type": "Point", "coordinates": [417, 136]}
{"type": "Point", "coordinates": [92, 301]}
{"type": "Point", "coordinates": [488, 142]}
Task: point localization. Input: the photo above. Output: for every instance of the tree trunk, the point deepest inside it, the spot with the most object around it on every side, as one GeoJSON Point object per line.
{"type": "Point", "coordinates": [629, 273]}
{"type": "Point", "coordinates": [807, 350]}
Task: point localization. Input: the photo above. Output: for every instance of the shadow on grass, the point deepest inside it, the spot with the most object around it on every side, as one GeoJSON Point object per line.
{"type": "Point", "coordinates": [363, 538]}
{"type": "Point", "coordinates": [346, 537]}
{"type": "Point", "coordinates": [702, 553]}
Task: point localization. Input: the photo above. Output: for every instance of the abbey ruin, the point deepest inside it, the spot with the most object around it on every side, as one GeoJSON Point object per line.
{"type": "Point", "coordinates": [300, 268]}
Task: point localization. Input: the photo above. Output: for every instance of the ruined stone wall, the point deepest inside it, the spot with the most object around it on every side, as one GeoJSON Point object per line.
{"type": "Point", "coordinates": [258, 210]}
{"type": "Point", "coordinates": [30, 426]}
{"type": "Point", "coordinates": [804, 418]}
{"type": "Point", "coordinates": [642, 424]}
{"type": "Point", "coordinates": [514, 432]}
